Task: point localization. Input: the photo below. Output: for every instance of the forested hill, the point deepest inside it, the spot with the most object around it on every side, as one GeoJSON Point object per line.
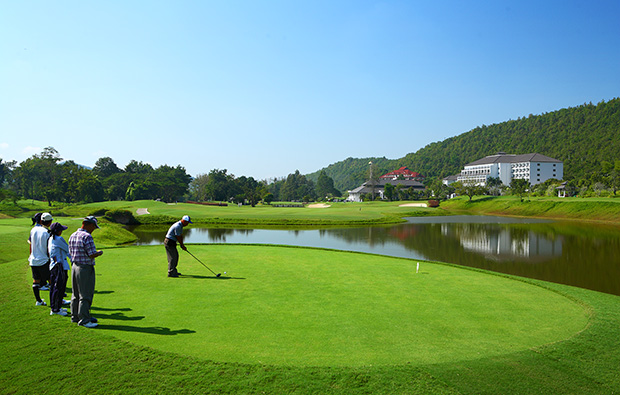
{"type": "Point", "coordinates": [352, 172]}
{"type": "Point", "coordinates": [580, 136]}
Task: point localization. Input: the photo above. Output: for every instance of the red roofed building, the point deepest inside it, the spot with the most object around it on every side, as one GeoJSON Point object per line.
{"type": "Point", "coordinates": [403, 174]}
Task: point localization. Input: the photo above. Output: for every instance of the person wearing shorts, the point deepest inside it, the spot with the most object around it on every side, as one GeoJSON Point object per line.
{"type": "Point", "coordinates": [39, 257]}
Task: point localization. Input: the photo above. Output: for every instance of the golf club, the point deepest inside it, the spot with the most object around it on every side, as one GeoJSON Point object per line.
{"type": "Point", "coordinates": [216, 275]}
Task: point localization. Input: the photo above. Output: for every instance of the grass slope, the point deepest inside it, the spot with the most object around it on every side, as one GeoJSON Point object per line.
{"type": "Point", "coordinates": [369, 213]}
{"type": "Point", "coordinates": [600, 210]}
{"type": "Point", "coordinates": [356, 214]}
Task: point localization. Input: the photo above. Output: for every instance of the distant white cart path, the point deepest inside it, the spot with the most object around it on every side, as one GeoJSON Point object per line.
{"type": "Point", "coordinates": [413, 205]}
{"type": "Point", "coordinates": [142, 211]}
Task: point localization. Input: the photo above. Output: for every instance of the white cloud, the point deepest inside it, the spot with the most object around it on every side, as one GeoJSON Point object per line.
{"type": "Point", "coordinates": [4, 145]}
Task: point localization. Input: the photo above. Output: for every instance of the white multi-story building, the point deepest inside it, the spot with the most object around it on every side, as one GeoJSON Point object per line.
{"type": "Point", "coordinates": [535, 168]}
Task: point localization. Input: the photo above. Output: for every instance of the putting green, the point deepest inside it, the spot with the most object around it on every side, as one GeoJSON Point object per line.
{"type": "Point", "coordinates": [310, 307]}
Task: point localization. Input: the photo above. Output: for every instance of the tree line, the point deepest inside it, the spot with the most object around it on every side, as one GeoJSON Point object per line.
{"type": "Point", "coordinates": [47, 177]}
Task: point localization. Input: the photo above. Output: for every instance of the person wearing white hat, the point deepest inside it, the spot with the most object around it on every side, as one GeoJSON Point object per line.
{"type": "Point", "coordinates": [174, 236]}
{"type": "Point", "coordinates": [39, 258]}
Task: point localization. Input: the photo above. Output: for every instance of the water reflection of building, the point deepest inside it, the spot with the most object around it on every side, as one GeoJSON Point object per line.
{"type": "Point", "coordinates": [500, 243]}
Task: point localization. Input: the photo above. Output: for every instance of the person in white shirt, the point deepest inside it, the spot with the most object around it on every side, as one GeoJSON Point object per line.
{"type": "Point", "coordinates": [39, 258]}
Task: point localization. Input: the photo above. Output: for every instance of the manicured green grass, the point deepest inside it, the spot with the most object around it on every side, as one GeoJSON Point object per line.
{"type": "Point", "coordinates": [591, 209]}
{"type": "Point", "coordinates": [355, 214]}
{"type": "Point", "coordinates": [307, 307]}
{"type": "Point", "coordinates": [262, 215]}
{"type": "Point", "coordinates": [43, 354]}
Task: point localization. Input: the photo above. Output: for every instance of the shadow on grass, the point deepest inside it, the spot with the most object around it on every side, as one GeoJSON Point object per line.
{"type": "Point", "coordinates": [155, 330]}
{"type": "Point", "coordinates": [107, 309]}
{"type": "Point", "coordinates": [120, 317]}
{"type": "Point", "coordinates": [211, 277]}
{"type": "Point", "coordinates": [103, 292]}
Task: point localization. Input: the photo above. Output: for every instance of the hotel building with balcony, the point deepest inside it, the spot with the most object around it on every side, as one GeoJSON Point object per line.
{"type": "Point", "coordinates": [535, 168]}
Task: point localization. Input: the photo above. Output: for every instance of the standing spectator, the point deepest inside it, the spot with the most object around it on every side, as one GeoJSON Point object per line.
{"type": "Point", "coordinates": [83, 253]}
{"type": "Point", "coordinates": [174, 236]}
{"type": "Point", "coordinates": [59, 267]}
{"type": "Point", "coordinates": [39, 258]}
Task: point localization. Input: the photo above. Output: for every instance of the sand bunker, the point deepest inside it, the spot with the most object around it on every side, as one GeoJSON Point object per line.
{"type": "Point", "coordinates": [413, 205]}
{"type": "Point", "coordinates": [318, 205]}
{"type": "Point", "coordinates": [142, 211]}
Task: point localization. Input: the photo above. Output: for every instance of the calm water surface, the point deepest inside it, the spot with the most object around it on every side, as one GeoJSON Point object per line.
{"type": "Point", "coordinates": [583, 255]}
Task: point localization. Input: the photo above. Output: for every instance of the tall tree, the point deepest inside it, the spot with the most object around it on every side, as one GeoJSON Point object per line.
{"type": "Point", "coordinates": [136, 167]}
{"type": "Point", "coordinates": [105, 167]}
{"type": "Point", "coordinates": [171, 182]}
{"type": "Point", "coordinates": [297, 187]}
{"type": "Point", "coordinates": [469, 189]}
{"type": "Point", "coordinates": [219, 185]}
{"type": "Point", "coordinates": [250, 188]}
{"type": "Point", "coordinates": [388, 192]}
{"type": "Point", "coordinates": [519, 187]}
{"type": "Point", "coordinates": [325, 186]}
{"type": "Point", "coordinates": [37, 177]}
{"type": "Point", "coordinates": [198, 187]}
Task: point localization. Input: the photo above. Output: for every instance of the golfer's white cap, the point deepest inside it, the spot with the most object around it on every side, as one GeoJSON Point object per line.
{"type": "Point", "coordinates": [186, 218]}
{"type": "Point", "coordinates": [46, 217]}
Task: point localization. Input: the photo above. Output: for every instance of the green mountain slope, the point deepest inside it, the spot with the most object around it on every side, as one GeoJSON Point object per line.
{"type": "Point", "coordinates": [580, 136]}
{"type": "Point", "coordinates": [352, 172]}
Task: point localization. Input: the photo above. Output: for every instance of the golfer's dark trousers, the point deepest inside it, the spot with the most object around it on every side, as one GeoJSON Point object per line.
{"type": "Point", "coordinates": [58, 285]}
{"type": "Point", "coordinates": [173, 255]}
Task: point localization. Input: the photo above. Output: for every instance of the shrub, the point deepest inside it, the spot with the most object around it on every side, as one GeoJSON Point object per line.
{"type": "Point", "coordinates": [433, 203]}
{"type": "Point", "coordinates": [124, 217]}
{"type": "Point", "coordinates": [100, 212]}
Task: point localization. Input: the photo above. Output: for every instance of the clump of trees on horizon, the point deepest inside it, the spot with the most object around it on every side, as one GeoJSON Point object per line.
{"type": "Point", "coordinates": [47, 177]}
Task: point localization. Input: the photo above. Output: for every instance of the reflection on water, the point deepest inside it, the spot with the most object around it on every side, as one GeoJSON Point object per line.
{"type": "Point", "coordinates": [577, 254]}
{"type": "Point", "coordinates": [501, 243]}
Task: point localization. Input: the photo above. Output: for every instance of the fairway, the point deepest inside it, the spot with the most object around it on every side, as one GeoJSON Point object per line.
{"type": "Point", "coordinates": [310, 307]}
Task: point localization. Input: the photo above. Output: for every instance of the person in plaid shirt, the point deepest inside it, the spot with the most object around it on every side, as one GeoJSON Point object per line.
{"type": "Point", "coordinates": [83, 253]}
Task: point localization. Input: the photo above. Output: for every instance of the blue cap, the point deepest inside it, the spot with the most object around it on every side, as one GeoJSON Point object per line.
{"type": "Point", "coordinates": [57, 227]}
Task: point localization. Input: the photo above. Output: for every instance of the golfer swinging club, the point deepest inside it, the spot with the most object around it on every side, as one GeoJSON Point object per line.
{"type": "Point", "coordinates": [174, 236]}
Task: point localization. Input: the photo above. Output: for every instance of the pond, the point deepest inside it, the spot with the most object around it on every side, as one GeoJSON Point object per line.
{"type": "Point", "coordinates": [573, 253]}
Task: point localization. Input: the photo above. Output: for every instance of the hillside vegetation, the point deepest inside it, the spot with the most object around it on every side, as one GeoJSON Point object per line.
{"type": "Point", "coordinates": [582, 137]}
{"type": "Point", "coordinates": [352, 172]}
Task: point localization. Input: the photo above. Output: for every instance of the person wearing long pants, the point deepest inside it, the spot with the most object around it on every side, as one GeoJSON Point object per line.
{"type": "Point", "coordinates": [83, 281]}
{"type": "Point", "coordinates": [83, 253]}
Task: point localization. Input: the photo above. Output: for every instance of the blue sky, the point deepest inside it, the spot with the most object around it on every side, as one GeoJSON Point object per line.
{"type": "Point", "coordinates": [264, 88]}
